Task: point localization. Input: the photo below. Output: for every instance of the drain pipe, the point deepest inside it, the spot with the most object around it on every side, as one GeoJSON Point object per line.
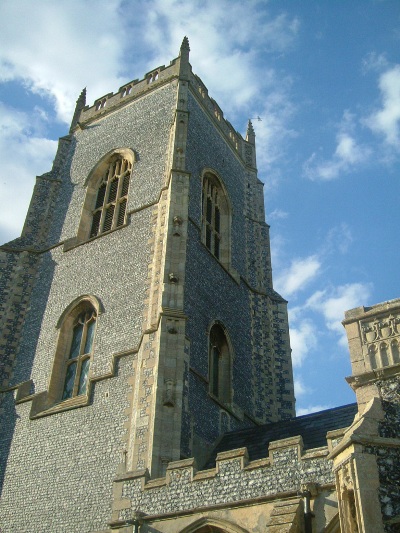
{"type": "Point", "coordinates": [137, 520]}
{"type": "Point", "coordinates": [308, 515]}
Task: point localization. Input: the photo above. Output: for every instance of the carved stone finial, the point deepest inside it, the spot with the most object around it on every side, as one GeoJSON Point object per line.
{"type": "Point", "coordinates": [250, 128]}
{"type": "Point", "coordinates": [82, 97]}
{"type": "Point", "coordinates": [250, 134]}
{"type": "Point", "coordinates": [185, 44]}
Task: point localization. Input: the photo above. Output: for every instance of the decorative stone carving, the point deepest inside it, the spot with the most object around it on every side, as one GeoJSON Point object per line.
{"type": "Point", "coordinates": [177, 221]}
{"type": "Point", "coordinates": [169, 393]}
{"type": "Point", "coordinates": [173, 278]}
{"type": "Point", "coordinates": [380, 328]}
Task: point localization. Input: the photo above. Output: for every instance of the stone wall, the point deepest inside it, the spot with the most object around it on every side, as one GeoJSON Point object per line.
{"type": "Point", "coordinates": [242, 299]}
{"type": "Point", "coordinates": [235, 482]}
{"type": "Point", "coordinates": [60, 468]}
{"type": "Point", "coordinates": [65, 455]}
{"type": "Point", "coordinates": [388, 459]}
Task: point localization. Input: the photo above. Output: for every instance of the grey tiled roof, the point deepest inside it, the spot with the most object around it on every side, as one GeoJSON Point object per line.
{"type": "Point", "coordinates": [313, 428]}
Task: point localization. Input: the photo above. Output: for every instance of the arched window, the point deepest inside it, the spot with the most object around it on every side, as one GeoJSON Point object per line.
{"type": "Point", "coordinates": [220, 383]}
{"type": "Point", "coordinates": [107, 185]}
{"type": "Point", "coordinates": [216, 218]}
{"type": "Point", "coordinates": [71, 369]}
{"type": "Point", "coordinates": [79, 353]}
{"type": "Point", "coordinates": [112, 194]}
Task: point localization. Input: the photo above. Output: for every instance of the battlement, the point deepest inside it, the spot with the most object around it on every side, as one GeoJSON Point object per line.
{"type": "Point", "coordinates": [233, 479]}
{"type": "Point", "coordinates": [155, 79]}
{"type": "Point", "coordinates": [129, 92]}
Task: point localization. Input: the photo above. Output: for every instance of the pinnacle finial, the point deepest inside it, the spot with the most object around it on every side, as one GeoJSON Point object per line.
{"type": "Point", "coordinates": [185, 44]}
{"type": "Point", "coordinates": [82, 97]}
{"type": "Point", "coordinates": [250, 134]}
{"type": "Point", "coordinates": [250, 129]}
{"type": "Point", "coordinates": [80, 104]}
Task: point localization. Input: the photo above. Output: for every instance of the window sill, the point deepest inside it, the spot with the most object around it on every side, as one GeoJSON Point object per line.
{"type": "Point", "coordinates": [231, 408]}
{"type": "Point", "coordinates": [73, 242]}
{"type": "Point", "coordinates": [38, 411]}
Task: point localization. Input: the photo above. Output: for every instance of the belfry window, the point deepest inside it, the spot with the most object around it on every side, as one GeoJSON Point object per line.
{"type": "Point", "coordinates": [79, 353]}
{"type": "Point", "coordinates": [216, 219]}
{"type": "Point", "coordinates": [112, 194]}
{"type": "Point", "coordinates": [220, 384]}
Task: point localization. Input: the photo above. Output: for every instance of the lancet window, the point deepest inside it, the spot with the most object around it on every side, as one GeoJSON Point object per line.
{"type": "Point", "coordinates": [216, 218]}
{"type": "Point", "coordinates": [220, 384]}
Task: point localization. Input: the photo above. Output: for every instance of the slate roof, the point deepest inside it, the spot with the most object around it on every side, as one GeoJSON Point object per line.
{"type": "Point", "coordinates": [313, 428]}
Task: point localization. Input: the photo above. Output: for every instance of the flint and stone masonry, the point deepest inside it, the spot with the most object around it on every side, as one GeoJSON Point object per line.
{"type": "Point", "coordinates": [139, 324]}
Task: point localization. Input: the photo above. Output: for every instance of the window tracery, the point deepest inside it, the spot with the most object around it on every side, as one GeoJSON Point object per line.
{"type": "Point", "coordinates": [80, 350]}
{"type": "Point", "coordinates": [112, 194]}
{"type": "Point", "coordinates": [216, 218]}
{"type": "Point", "coordinates": [69, 381]}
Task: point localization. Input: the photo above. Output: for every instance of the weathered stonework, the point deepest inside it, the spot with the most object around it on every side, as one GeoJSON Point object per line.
{"type": "Point", "coordinates": [121, 451]}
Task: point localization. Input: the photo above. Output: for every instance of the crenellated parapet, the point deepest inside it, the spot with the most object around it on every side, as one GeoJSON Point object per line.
{"type": "Point", "coordinates": [178, 69]}
{"type": "Point", "coordinates": [272, 481]}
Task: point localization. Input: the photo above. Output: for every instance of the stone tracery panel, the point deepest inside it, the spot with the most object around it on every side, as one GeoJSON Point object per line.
{"type": "Point", "coordinates": [380, 337]}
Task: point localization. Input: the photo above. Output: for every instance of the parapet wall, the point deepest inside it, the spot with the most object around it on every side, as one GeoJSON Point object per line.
{"type": "Point", "coordinates": [234, 479]}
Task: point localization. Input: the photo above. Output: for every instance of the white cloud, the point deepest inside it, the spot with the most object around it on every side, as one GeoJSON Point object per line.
{"type": "Point", "coordinates": [303, 339]}
{"type": "Point", "coordinates": [332, 304]}
{"type": "Point", "coordinates": [386, 121]}
{"type": "Point", "coordinates": [338, 239]}
{"type": "Point", "coordinates": [347, 155]}
{"type": "Point", "coordinates": [228, 42]}
{"type": "Point", "coordinates": [65, 51]}
{"type": "Point", "coordinates": [312, 409]}
{"type": "Point", "coordinates": [273, 132]}
{"type": "Point", "coordinates": [24, 154]}
{"type": "Point", "coordinates": [299, 388]}
{"type": "Point", "coordinates": [300, 273]}
{"type": "Point", "coordinates": [278, 214]}
{"type": "Point", "coordinates": [374, 62]}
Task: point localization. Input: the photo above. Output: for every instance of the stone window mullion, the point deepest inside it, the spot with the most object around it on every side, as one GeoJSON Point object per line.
{"type": "Point", "coordinates": [112, 196]}
{"type": "Point", "coordinates": [105, 203]}
{"type": "Point", "coordinates": [118, 197]}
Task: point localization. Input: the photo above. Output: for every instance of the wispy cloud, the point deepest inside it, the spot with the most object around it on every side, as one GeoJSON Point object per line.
{"type": "Point", "coordinates": [298, 275]}
{"type": "Point", "coordinates": [348, 154]}
{"type": "Point", "coordinates": [338, 239]}
{"type": "Point", "coordinates": [333, 302]}
{"type": "Point", "coordinates": [312, 409]}
{"type": "Point", "coordinates": [278, 214]}
{"type": "Point", "coordinates": [303, 339]}
{"type": "Point", "coordinates": [386, 120]}
{"type": "Point", "coordinates": [299, 388]}
{"type": "Point", "coordinates": [24, 153]}
{"type": "Point", "coordinates": [374, 62]}
{"type": "Point", "coordinates": [65, 52]}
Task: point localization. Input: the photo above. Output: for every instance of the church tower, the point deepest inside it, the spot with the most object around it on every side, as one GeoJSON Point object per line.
{"type": "Point", "coordinates": [139, 318]}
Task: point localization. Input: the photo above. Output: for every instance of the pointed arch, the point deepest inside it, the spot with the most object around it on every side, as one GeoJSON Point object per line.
{"type": "Point", "coordinates": [216, 217]}
{"type": "Point", "coordinates": [220, 363]}
{"type": "Point", "coordinates": [212, 525]}
{"type": "Point", "coordinates": [74, 352]}
{"type": "Point", "coordinates": [107, 190]}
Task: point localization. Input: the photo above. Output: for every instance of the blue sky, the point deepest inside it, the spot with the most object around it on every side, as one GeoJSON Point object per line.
{"type": "Point", "coordinates": [323, 76]}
